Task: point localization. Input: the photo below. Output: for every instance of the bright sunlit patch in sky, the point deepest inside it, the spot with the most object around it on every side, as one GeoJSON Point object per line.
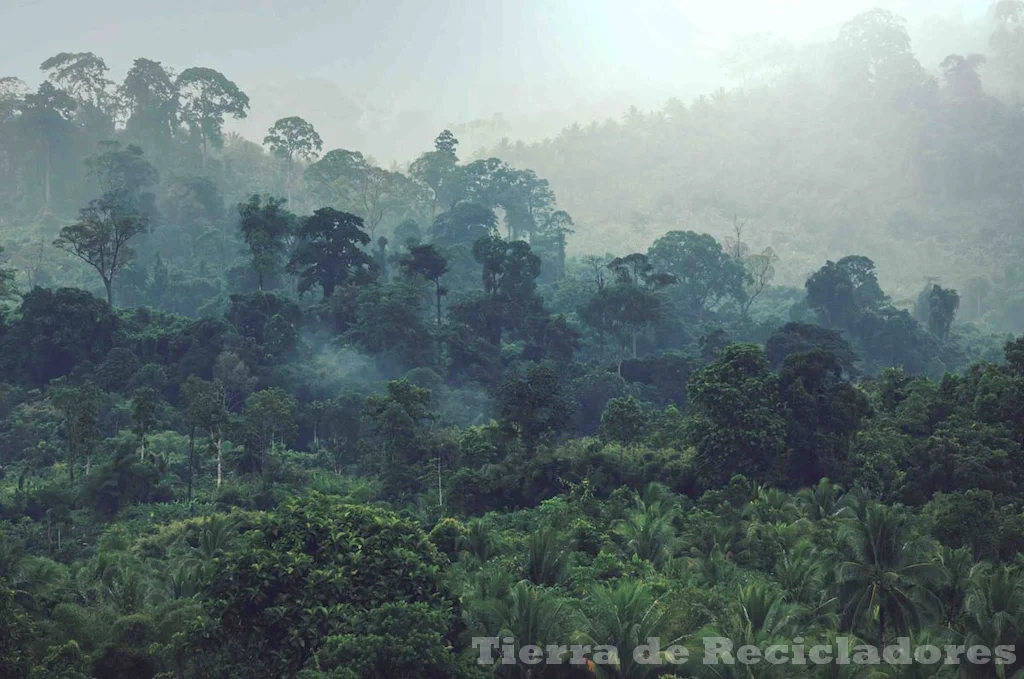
{"type": "Point", "coordinates": [435, 61]}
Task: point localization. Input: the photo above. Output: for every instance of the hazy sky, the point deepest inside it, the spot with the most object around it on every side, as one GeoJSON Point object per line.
{"type": "Point", "coordinates": [420, 64]}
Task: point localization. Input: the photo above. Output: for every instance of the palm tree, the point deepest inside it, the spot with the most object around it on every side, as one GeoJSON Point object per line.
{"type": "Point", "coordinates": [771, 505]}
{"type": "Point", "coordinates": [624, 616]}
{"type": "Point", "coordinates": [960, 569]}
{"type": "Point", "coordinates": [649, 532]}
{"type": "Point", "coordinates": [820, 502]}
{"type": "Point", "coordinates": [530, 615]}
{"type": "Point", "coordinates": [886, 574]}
{"type": "Point", "coordinates": [920, 670]}
{"type": "Point", "coordinates": [995, 614]}
{"type": "Point", "coordinates": [547, 556]}
{"type": "Point", "coordinates": [761, 617]}
{"type": "Point", "coordinates": [480, 540]}
{"type": "Point", "coordinates": [801, 572]}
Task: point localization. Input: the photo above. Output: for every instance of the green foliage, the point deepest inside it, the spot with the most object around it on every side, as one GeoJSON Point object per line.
{"type": "Point", "coordinates": [531, 406]}
{"type": "Point", "coordinates": [603, 449]}
{"type": "Point", "coordinates": [16, 631]}
{"type": "Point", "coordinates": [315, 573]}
{"type": "Point", "coordinates": [331, 251]}
{"type": "Point", "coordinates": [739, 426]}
{"type": "Point", "coordinates": [264, 224]}
{"type": "Point", "coordinates": [624, 420]}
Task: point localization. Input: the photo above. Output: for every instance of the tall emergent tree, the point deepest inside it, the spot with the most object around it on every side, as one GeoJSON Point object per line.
{"type": "Point", "coordinates": [149, 96]}
{"type": "Point", "coordinates": [79, 407]}
{"type": "Point", "coordinates": [100, 236]}
{"type": "Point", "coordinates": [426, 261]}
{"type": "Point", "coordinates": [204, 410]}
{"type": "Point", "coordinates": [265, 224]}
{"type": "Point", "coordinates": [205, 97]}
{"type": "Point", "coordinates": [8, 290]}
{"type": "Point", "coordinates": [292, 138]}
{"type": "Point", "coordinates": [143, 415]}
{"type": "Point", "coordinates": [269, 418]}
{"type": "Point", "coordinates": [330, 251]}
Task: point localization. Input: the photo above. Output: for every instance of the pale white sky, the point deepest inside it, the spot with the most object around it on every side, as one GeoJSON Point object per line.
{"type": "Point", "coordinates": [417, 65]}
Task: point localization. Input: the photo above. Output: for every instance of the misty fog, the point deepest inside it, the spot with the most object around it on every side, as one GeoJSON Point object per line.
{"type": "Point", "coordinates": [336, 337]}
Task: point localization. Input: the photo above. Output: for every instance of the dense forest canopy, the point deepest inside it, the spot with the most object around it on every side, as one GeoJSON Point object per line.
{"type": "Point", "coordinates": [744, 367]}
{"type": "Point", "coordinates": [847, 145]}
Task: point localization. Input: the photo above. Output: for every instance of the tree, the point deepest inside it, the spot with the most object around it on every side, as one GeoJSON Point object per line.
{"type": "Point", "coordinates": [269, 418]}
{"type": "Point", "coordinates": [390, 323]}
{"type": "Point", "coordinates": [438, 170]}
{"type": "Point", "coordinates": [348, 180]}
{"type": "Point", "coordinates": [265, 224]}
{"type": "Point", "coordinates": [196, 207]}
{"type": "Point", "coordinates": [398, 417]}
{"type": "Point", "coordinates": [531, 405]}
{"type": "Point", "coordinates": [339, 571]}
{"type": "Point", "coordinates": [840, 291]}
{"type": "Point", "coordinates": [206, 96]}
{"type": "Point", "coordinates": [8, 287]}
{"type": "Point", "coordinates": [885, 573]}
{"type": "Point", "coordinates": [83, 76]}
{"type": "Point", "coordinates": [623, 311]}
{"type": "Point", "coordinates": [230, 370]}
{"type": "Point", "coordinates": [292, 138]}
{"type": "Point", "coordinates": [705, 274]}
{"type": "Point", "coordinates": [824, 412]}
{"type": "Point", "coordinates": [760, 270]}
{"type": "Point", "coordinates": [58, 331]}
{"type": "Point", "coordinates": [426, 261]}
{"type": "Point", "coordinates": [961, 75]}
{"type": "Point", "coordinates": [143, 415]}
{"type": "Point", "coordinates": [124, 169]}
{"type": "Point", "coordinates": [464, 224]}
{"type": "Point", "coordinates": [942, 306]}
{"type": "Point", "coordinates": [204, 409]}
{"type": "Point", "coordinates": [79, 407]}
{"type": "Point", "coordinates": [100, 236]}
{"type": "Point", "coordinates": [624, 420]}
{"type": "Point", "coordinates": [46, 118]}
{"type": "Point", "coordinates": [330, 251]}
{"type": "Point", "coordinates": [338, 427]}
{"type": "Point", "coordinates": [873, 57]}
{"type": "Point", "coordinates": [550, 240]}
{"type": "Point", "coordinates": [16, 633]}
{"type": "Point", "coordinates": [795, 338]}
{"type": "Point", "coordinates": [739, 426]}
{"type": "Point", "coordinates": [150, 98]}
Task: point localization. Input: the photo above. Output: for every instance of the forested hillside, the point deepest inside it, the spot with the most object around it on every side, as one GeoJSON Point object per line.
{"type": "Point", "coordinates": [272, 410]}
{"type": "Point", "coordinates": [849, 145]}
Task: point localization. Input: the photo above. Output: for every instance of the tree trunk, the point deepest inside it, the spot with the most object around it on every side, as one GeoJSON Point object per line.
{"type": "Point", "coordinates": [219, 443]}
{"type": "Point", "coordinates": [142, 455]}
{"type": "Point", "coordinates": [191, 454]}
{"type": "Point", "coordinates": [881, 627]}
{"type": "Point", "coordinates": [437, 286]}
{"type": "Point", "coordinates": [46, 176]}
{"type": "Point", "coordinates": [108, 284]}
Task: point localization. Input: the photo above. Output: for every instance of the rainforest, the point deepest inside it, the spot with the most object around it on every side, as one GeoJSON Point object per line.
{"type": "Point", "coordinates": [748, 367]}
